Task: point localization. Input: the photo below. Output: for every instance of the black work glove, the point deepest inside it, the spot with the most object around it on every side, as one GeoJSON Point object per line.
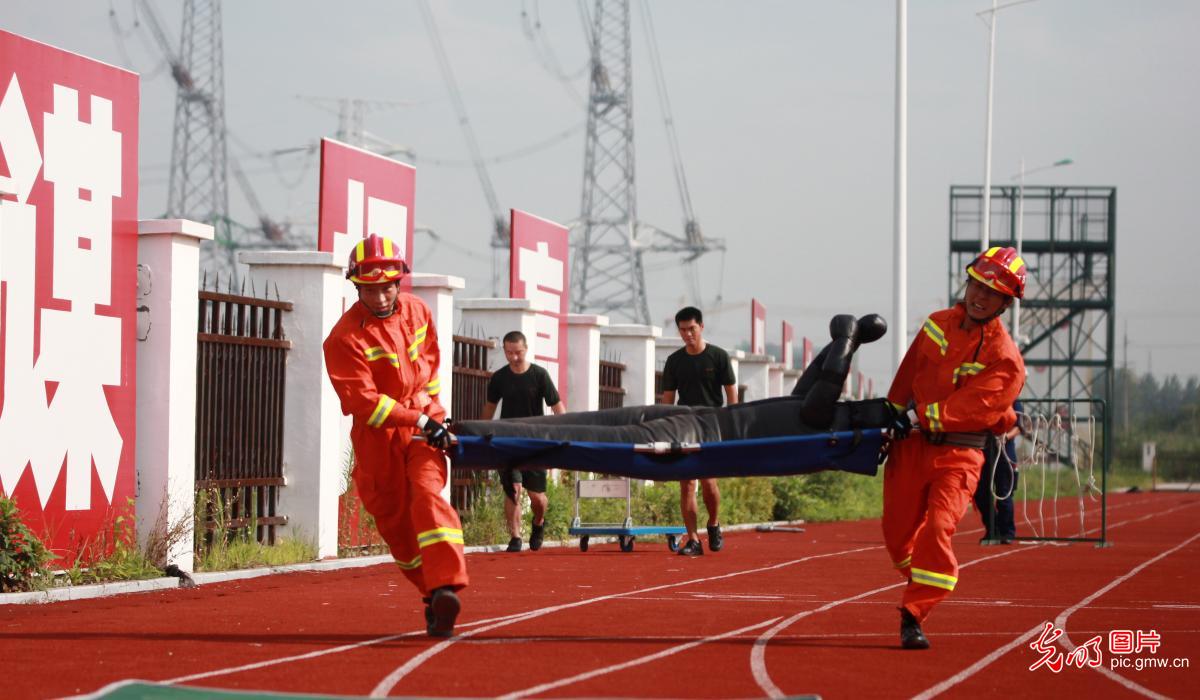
{"type": "Point", "coordinates": [437, 434]}
{"type": "Point", "coordinates": [902, 423]}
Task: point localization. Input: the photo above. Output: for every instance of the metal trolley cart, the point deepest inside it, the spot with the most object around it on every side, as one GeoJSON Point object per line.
{"type": "Point", "coordinates": [619, 488]}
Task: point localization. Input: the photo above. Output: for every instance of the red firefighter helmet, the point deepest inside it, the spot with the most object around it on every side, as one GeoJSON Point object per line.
{"type": "Point", "coordinates": [1001, 269]}
{"type": "Point", "coordinates": [375, 260]}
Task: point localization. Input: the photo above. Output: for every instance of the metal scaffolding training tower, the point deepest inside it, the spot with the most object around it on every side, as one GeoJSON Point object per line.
{"type": "Point", "coordinates": [1067, 320]}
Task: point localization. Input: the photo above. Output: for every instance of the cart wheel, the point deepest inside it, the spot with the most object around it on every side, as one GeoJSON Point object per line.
{"type": "Point", "coordinates": [583, 543]}
{"type": "Point", "coordinates": [672, 543]}
{"type": "Point", "coordinates": [626, 543]}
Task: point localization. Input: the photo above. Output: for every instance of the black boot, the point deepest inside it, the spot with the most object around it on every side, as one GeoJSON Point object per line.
{"type": "Point", "coordinates": [443, 608]}
{"type": "Point", "coordinates": [911, 636]}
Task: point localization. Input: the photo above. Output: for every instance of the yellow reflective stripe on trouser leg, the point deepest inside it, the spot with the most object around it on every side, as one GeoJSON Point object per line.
{"type": "Point", "coordinates": [932, 578]}
{"type": "Point", "coordinates": [452, 535]}
{"type": "Point", "coordinates": [414, 563]}
{"type": "Point", "coordinates": [382, 410]}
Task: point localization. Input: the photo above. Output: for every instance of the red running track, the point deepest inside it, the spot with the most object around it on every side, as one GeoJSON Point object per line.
{"type": "Point", "coordinates": [774, 614]}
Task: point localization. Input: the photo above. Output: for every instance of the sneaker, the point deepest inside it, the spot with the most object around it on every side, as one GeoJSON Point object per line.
{"type": "Point", "coordinates": [911, 636]}
{"type": "Point", "coordinates": [691, 549]}
{"type": "Point", "coordinates": [535, 537]}
{"type": "Point", "coordinates": [514, 545]}
{"type": "Point", "coordinates": [443, 609]}
{"type": "Point", "coordinates": [1007, 539]}
{"type": "Point", "coordinates": [715, 539]}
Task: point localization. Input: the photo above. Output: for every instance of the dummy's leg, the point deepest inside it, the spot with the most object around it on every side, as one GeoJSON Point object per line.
{"type": "Point", "coordinates": [822, 382]}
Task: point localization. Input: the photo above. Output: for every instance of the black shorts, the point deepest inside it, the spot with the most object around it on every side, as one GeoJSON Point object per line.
{"type": "Point", "coordinates": [529, 479]}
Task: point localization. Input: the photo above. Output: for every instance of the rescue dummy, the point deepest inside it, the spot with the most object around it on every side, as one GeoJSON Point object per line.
{"type": "Point", "coordinates": [954, 390]}
{"type": "Point", "coordinates": [382, 357]}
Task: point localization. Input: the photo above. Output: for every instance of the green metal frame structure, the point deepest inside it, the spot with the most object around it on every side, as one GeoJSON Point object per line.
{"type": "Point", "coordinates": [1067, 330]}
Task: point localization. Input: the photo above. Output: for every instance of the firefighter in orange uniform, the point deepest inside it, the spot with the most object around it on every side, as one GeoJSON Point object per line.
{"type": "Point", "coordinates": [956, 386]}
{"type": "Point", "coordinates": [382, 357]}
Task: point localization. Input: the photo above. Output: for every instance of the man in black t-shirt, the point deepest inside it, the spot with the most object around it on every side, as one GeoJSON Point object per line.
{"type": "Point", "coordinates": [520, 388]}
{"type": "Point", "coordinates": [700, 374]}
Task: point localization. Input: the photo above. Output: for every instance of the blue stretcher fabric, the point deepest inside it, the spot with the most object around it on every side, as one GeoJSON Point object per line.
{"type": "Point", "coordinates": [850, 451]}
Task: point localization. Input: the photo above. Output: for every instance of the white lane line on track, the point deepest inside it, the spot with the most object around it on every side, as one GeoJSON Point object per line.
{"type": "Point", "coordinates": [758, 653]}
{"type": "Point", "coordinates": [417, 633]}
{"type": "Point", "coordinates": [758, 665]}
{"type": "Point", "coordinates": [1001, 651]}
{"type": "Point", "coordinates": [389, 682]}
{"type": "Point", "coordinates": [570, 680]}
{"type": "Point", "coordinates": [1061, 621]}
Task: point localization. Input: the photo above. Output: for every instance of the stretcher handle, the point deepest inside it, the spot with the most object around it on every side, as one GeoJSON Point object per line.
{"type": "Point", "coordinates": [664, 448]}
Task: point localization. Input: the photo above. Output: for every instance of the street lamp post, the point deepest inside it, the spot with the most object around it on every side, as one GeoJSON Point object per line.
{"type": "Point", "coordinates": [987, 149]}
{"type": "Point", "coordinates": [1020, 178]}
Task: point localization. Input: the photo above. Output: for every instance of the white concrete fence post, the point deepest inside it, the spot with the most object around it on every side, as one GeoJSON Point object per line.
{"type": "Point", "coordinates": [169, 262]}
{"type": "Point", "coordinates": [312, 439]}
{"type": "Point", "coordinates": [753, 371]}
{"type": "Point", "coordinates": [492, 318]}
{"type": "Point", "coordinates": [632, 345]}
{"type": "Point", "coordinates": [437, 291]}
{"type": "Point", "coordinates": [583, 371]}
{"type": "Point", "coordinates": [790, 377]}
{"type": "Point", "coordinates": [775, 379]}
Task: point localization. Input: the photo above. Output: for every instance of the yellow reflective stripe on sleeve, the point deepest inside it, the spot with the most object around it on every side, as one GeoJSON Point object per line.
{"type": "Point", "coordinates": [968, 369]}
{"type": "Point", "coordinates": [931, 578]}
{"type": "Point", "coordinates": [378, 353]}
{"type": "Point", "coordinates": [418, 338]}
{"type": "Point", "coordinates": [934, 415]}
{"type": "Point", "coordinates": [902, 564]}
{"type": "Point", "coordinates": [434, 387]}
{"type": "Point", "coordinates": [382, 410]}
{"type": "Point", "coordinates": [935, 334]}
{"type": "Point", "coordinates": [452, 535]}
{"type": "Point", "coordinates": [415, 563]}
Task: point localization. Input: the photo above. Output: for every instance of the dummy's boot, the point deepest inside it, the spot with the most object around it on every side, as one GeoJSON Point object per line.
{"type": "Point", "coordinates": [822, 381]}
{"type": "Point", "coordinates": [911, 636]}
{"type": "Point", "coordinates": [443, 608]}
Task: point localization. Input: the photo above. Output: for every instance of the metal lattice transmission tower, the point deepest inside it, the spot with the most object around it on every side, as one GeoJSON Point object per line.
{"type": "Point", "coordinates": [607, 270]}
{"type": "Point", "coordinates": [1067, 321]}
{"type": "Point", "coordinates": [199, 186]}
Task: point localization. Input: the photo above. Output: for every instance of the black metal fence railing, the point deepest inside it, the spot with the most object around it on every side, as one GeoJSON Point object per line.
{"type": "Point", "coordinates": [240, 361]}
{"type": "Point", "coordinates": [469, 396]}
{"type": "Point", "coordinates": [612, 393]}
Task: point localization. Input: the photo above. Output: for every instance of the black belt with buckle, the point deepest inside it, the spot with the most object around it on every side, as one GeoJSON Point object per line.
{"type": "Point", "coordinates": [977, 440]}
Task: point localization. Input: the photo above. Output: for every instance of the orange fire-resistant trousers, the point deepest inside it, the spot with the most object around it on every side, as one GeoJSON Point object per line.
{"type": "Point", "coordinates": [926, 490]}
{"type": "Point", "coordinates": [400, 482]}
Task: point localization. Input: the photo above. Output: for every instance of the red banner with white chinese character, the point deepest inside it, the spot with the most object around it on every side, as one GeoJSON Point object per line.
{"type": "Point", "coordinates": [806, 356]}
{"type": "Point", "coordinates": [786, 345]}
{"type": "Point", "coordinates": [538, 272]}
{"type": "Point", "coordinates": [68, 261]}
{"type": "Point", "coordinates": [758, 328]}
{"type": "Point", "coordinates": [364, 193]}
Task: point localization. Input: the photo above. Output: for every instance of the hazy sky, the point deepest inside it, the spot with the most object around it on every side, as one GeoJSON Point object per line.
{"type": "Point", "coordinates": [784, 112]}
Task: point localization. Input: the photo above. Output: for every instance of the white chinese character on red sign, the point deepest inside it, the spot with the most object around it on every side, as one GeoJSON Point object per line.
{"type": "Point", "coordinates": [542, 275]}
{"type": "Point", "coordinates": [61, 393]}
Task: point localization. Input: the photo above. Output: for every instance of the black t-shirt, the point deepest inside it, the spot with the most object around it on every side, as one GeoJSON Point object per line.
{"type": "Point", "coordinates": [523, 393]}
{"type": "Point", "coordinates": [700, 379]}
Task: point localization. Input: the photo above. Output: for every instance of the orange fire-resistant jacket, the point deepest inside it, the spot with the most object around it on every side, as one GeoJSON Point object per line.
{"type": "Point", "coordinates": [960, 381]}
{"type": "Point", "coordinates": [385, 371]}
